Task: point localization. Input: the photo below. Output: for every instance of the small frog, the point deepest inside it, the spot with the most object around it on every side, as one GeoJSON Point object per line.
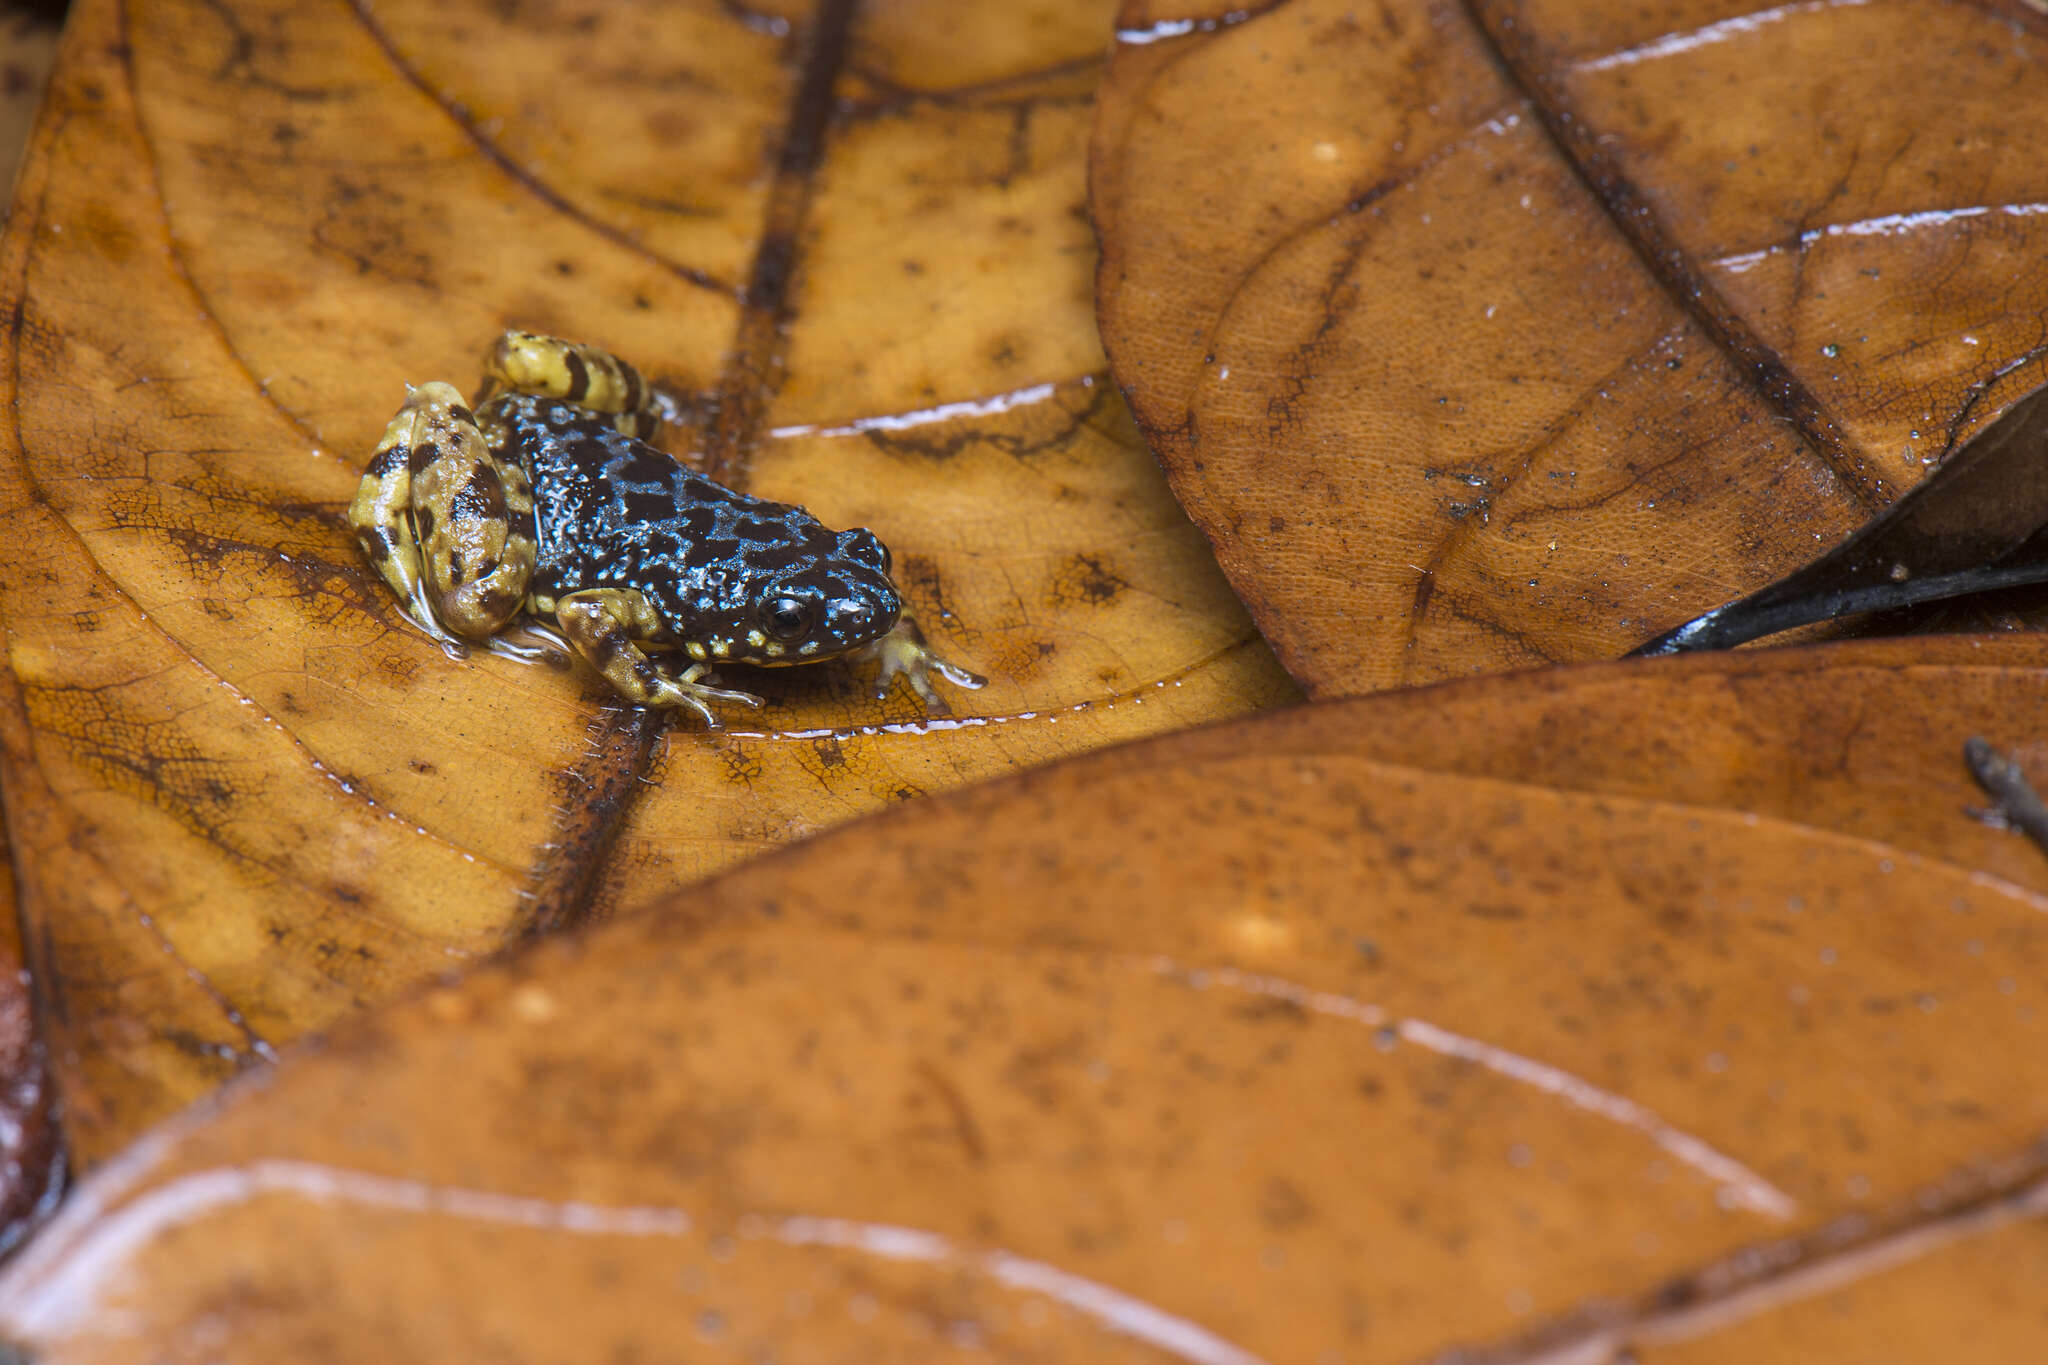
{"type": "Point", "coordinates": [546, 501]}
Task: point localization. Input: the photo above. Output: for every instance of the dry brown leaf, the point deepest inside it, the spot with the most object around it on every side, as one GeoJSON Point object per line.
{"type": "Point", "coordinates": [1321, 1036]}
{"type": "Point", "coordinates": [1482, 337]}
{"type": "Point", "coordinates": [246, 798]}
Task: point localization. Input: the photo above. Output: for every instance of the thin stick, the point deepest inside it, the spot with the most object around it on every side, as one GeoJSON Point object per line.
{"type": "Point", "coordinates": [2005, 784]}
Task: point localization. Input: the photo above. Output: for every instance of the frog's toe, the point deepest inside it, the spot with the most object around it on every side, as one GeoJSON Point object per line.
{"type": "Point", "coordinates": [709, 716]}
{"type": "Point", "coordinates": [525, 654]}
{"type": "Point", "coordinates": [959, 677]}
{"type": "Point", "coordinates": [688, 681]}
{"type": "Point", "coordinates": [695, 696]}
{"type": "Point", "coordinates": [685, 690]}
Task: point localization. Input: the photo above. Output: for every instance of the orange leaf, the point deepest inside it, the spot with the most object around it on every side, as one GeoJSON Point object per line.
{"type": "Point", "coordinates": [1675, 1007]}
{"type": "Point", "coordinates": [247, 798]}
{"type": "Point", "coordinates": [1477, 338]}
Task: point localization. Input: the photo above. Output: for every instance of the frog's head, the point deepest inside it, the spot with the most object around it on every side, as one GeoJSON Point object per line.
{"type": "Point", "coordinates": [834, 604]}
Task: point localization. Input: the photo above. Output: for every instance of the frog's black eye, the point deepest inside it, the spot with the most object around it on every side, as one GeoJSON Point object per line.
{"type": "Point", "coordinates": [788, 617]}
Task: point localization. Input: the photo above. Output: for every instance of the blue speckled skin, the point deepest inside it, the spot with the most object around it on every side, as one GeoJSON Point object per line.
{"type": "Point", "coordinates": [614, 512]}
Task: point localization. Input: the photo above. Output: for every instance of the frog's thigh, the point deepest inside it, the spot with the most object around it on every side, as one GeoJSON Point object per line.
{"type": "Point", "coordinates": [381, 517]}
{"type": "Point", "coordinates": [602, 622]}
{"type": "Point", "coordinates": [527, 362]}
{"type": "Point", "coordinates": [474, 516]}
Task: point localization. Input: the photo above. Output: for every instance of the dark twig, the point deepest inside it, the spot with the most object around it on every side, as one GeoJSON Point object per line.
{"type": "Point", "coordinates": [2004, 783]}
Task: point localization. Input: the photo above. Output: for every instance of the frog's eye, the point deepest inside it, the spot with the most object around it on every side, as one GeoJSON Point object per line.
{"type": "Point", "coordinates": [787, 618]}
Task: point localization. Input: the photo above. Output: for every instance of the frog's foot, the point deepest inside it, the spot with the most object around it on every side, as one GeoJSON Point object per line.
{"type": "Point", "coordinates": [553, 650]}
{"type": "Point", "coordinates": [543, 631]}
{"type": "Point", "coordinates": [525, 654]}
{"type": "Point", "coordinates": [601, 623]}
{"type": "Point", "coordinates": [691, 690]}
{"type": "Point", "coordinates": [903, 652]}
{"type": "Point", "coordinates": [419, 612]}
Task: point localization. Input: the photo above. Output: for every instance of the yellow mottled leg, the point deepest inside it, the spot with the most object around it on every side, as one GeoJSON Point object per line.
{"type": "Point", "coordinates": [903, 652]}
{"type": "Point", "coordinates": [602, 622]}
{"type": "Point", "coordinates": [381, 516]}
{"type": "Point", "coordinates": [527, 362]}
{"type": "Point", "coordinates": [473, 514]}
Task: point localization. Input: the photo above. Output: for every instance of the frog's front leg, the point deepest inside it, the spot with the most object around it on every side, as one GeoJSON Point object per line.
{"type": "Point", "coordinates": [903, 652]}
{"type": "Point", "coordinates": [602, 622]}
{"type": "Point", "coordinates": [591, 378]}
{"type": "Point", "coordinates": [473, 513]}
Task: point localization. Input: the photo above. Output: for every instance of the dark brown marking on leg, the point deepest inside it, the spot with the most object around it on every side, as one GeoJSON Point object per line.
{"type": "Point", "coordinates": [388, 462]}
{"type": "Point", "coordinates": [424, 454]}
{"type": "Point", "coordinates": [579, 375]}
{"type": "Point", "coordinates": [375, 543]}
{"type": "Point", "coordinates": [466, 570]}
{"type": "Point", "coordinates": [499, 601]}
{"type": "Point", "coordinates": [609, 643]}
{"type": "Point", "coordinates": [480, 497]}
{"type": "Point", "coordinates": [423, 523]}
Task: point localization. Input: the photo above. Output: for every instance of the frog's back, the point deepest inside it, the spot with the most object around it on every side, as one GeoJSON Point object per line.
{"type": "Point", "coordinates": [612, 511]}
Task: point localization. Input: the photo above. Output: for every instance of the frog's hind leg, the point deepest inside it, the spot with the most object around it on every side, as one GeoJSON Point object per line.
{"type": "Point", "coordinates": [381, 515]}
{"type": "Point", "coordinates": [591, 378]}
{"type": "Point", "coordinates": [474, 516]}
{"type": "Point", "coordinates": [602, 623]}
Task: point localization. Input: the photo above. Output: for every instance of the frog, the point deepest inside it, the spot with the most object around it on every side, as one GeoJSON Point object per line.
{"type": "Point", "coordinates": [543, 506]}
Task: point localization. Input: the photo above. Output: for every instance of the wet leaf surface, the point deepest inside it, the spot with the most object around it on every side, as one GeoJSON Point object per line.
{"type": "Point", "coordinates": [246, 799]}
{"type": "Point", "coordinates": [1675, 1007]}
{"type": "Point", "coordinates": [1477, 337]}
{"type": "Point", "coordinates": [1978, 523]}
